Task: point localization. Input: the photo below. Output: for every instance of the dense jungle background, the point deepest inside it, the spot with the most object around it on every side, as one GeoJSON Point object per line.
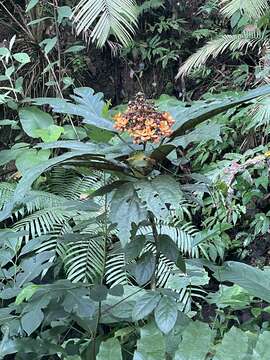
{"type": "Point", "coordinates": [134, 180]}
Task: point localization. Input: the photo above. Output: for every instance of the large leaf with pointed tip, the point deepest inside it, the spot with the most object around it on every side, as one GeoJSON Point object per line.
{"type": "Point", "coordinates": [195, 342]}
{"type": "Point", "coordinates": [86, 104]}
{"type": "Point", "coordinates": [151, 345]}
{"type": "Point", "coordinates": [126, 209]}
{"type": "Point", "coordinates": [234, 345]}
{"type": "Point", "coordinates": [255, 281]}
{"type": "Point", "coordinates": [160, 195]}
{"type": "Point", "coordinates": [188, 118]}
{"type": "Point", "coordinates": [110, 350]}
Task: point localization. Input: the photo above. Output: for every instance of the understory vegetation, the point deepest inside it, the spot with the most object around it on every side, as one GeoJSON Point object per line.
{"type": "Point", "coordinates": [134, 180]}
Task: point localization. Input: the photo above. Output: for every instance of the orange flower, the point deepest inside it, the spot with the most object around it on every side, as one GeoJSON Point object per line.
{"type": "Point", "coordinates": [143, 122]}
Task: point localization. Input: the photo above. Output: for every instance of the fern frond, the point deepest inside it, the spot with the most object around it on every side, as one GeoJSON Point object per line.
{"type": "Point", "coordinates": [218, 46]}
{"type": "Point", "coordinates": [103, 17]}
{"type": "Point", "coordinates": [254, 9]}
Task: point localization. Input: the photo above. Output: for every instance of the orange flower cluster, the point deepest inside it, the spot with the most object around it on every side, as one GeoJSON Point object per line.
{"type": "Point", "coordinates": [143, 122]}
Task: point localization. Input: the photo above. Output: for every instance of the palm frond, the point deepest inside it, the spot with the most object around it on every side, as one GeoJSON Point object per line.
{"type": "Point", "coordinates": [116, 263]}
{"type": "Point", "coordinates": [254, 9]}
{"type": "Point", "coordinates": [103, 17]}
{"type": "Point", "coordinates": [70, 184]}
{"type": "Point", "coordinates": [85, 258]}
{"type": "Point", "coordinates": [183, 237]}
{"type": "Point", "coordinates": [215, 47]}
{"type": "Point", "coordinates": [42, 222]}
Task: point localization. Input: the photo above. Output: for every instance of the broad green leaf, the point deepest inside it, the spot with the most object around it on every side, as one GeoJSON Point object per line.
{"type": "Point", "coordinates": [233, 296]}
{"type": "Point", "coordinates": [74, 49]}
{"type": "Point", "coordinates": [26, 293]}
{"type": "Point", "coordinates": [50, 134]}
{"type": "Point", "coordinates": [166, 314]}
{"type": "Point", "coordinates": [33, 119]}
{"type": "Point", "coordinates": [9, 71]}
{"type": "Point", "coordinates": [87, 104]}
{"type": "Point", "coordinates": [151, 345]}
{"type": "Point", "coordinates": [145, 305]}
{"type": "Point", "coordinates": [99, 293]}
{"type": "Point", "coordinates": [70, 133]}
{"type": "Point", "coordinates": [195, 343]}
{"type": "Point", "coordinates": [195, 275]}
{"type": "Point", "coordinates": [49, 44]}
{"type": "Point", "coordinates": [262, 348]}
{"type": "Point", "coordinates": [110, 350]}
{"type": "Point", "coordinates": [23, 58]}
{"type": "Point", "coordinates": [29, 158]}
{"type": "Point", "coordinates": [126, 209]}
{"type": "Point", "coordinates": [202, 133]}
{"type": "Point", "coordinates": [188, 118]}
{"type": "Point", "coordinates": [31, 4]}
{"type": "Point", "coordinates": [160, 195]}
{"type": "Point", "coordinates": [77, 301]}
{"type": "Point", "coordinates": [234, 346]}
{"type": "Point", "coordinates": [4, 52]}
{"type": "Point", "coordinates": [116, 308]}
{"type": "Point", "coordinates": [255, 281]}
{"type": "Point", "coordinates": [32, 320]}
{"type": "Point", "coordinates": [63, 12]}
{"type": "Point", "coordinates": [144, 268]}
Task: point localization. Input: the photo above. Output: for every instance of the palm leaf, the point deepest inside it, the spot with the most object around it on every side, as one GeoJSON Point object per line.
{"type": "Point", "coordinates": [254, 9]}
{"type": "Point", "coordinates": [107, 16]}
{"type": "Point", "coordinates": [85, 258]}
{"type": "Point", "coordinates": [218, 46]}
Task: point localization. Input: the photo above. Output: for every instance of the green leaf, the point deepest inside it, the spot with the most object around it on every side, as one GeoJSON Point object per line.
{"type": "Point", "coordinates": [23, 58]}
{"type": "Point", "coordinates": [188, 118]}
{"type": "Point", "coordinates": [195, 344]}
{"type": "Point", "coordinates": [30, 176]}
{"type": "Point", "coordinates": [202, 133]}
{"type": "Point", "coordinates": [32, 320]}
{"type": "Point", "coordinates": [74, 49]}
{"type": "Point", "coordinates": [233, 296]}
{"type": "Point", "coordinates": [77, 301]}
{"type": "Point", "coordinates": [49, 44]}
{"type": "Point", "coordinates": [50, 134]}
{"type": "Point", "coordinates": [70, 133]}
{"type": "Point", "coordinates": [255, 281]}
{"type": "Point", "coordinates": [110, 350]}
{"type": "Point", "coordinates": [63, 12]}
{"type": "Point", "coordinates": [29, 158]}
{"type": "Point", "coordinates": [26, 293]}
{"type": "Point", "coordinates": [87, 104]}
{"type": "Point", "coordinates": [166, 314]}
{"type": "Point", "coordinates": [151, 345]}
{"type": "Point", "coordinates": [33, 119]}
{"type": "Point", "coordinates": [160, 195]}
{"type": "Point", "coordinates": [144, 268]}
{"type": "Point", "coordinates": [261, 351]}
{"type": "Point", "coordinates": [99, 293]}
{"type": "Point", "coordinates": [235, 340]}
{"type": "Point", "coordinates": [37, 21]}
{"type": "Point", "coordinates": [126, 209]}
{"type": "Point", "coordinates": [31, 4]}
{"type": "Point", "coordinates": [145, 305]}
